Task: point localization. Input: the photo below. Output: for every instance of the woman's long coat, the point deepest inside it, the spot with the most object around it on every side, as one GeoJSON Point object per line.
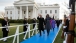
{"type": "Point", "coordinates": [47, 23]}
{"type": "Point", "coordinates": [52, 22]}
{"type": "Point", "coordinates": [41, 22]}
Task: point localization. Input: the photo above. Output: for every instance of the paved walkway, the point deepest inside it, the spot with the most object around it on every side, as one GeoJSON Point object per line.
{"type": "Point", "coordinates": [44, 38]}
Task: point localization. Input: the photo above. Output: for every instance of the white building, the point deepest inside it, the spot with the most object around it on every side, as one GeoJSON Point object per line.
{"type": "Point", "coordinates": [28, 8]}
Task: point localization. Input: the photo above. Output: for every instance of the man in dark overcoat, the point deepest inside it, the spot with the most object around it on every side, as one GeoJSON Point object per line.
{"type": "Point", "coordinates": [34, 21]}
{"type": "Point", "coordinates": [5, 30]}
{"type": "Point", "coordinates": [41, 24]}
{"type": "Point", "coordinates": [25, 26]}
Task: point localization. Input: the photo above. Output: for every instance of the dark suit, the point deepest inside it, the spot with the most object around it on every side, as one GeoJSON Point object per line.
{"type": "Point", "coordinates": [25, 26]}
{"type": "Point", "coordinates": [34, 21]}
{"type": "Point", "coordinates": [5, 30]}
{"type": "Point", "coordinates": [40, 26]}
{"type": "Point", "coordinates": [58, 23]}
{"type": "Point", "coordinates": [67, 24]}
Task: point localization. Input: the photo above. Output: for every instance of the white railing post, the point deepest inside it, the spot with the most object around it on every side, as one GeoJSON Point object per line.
{"type": "Point", "coordinates": [17, 32]}
{"type": "Point", "coordinates": [33, 31]}
{"type": "Point", "coordinates": [18, 35]}
{"type": "Point", "coordinates": [35, 28]}
{"type": "Point", "coordinates": [29, 30]}
{"type": "Point", "coordinates": [25, 34]}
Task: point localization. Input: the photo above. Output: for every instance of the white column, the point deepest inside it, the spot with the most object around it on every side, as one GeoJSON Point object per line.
{"type": "Point", "coordinates": [16, 14]}
{"type": "Point", "coordinates": [27, 12]}
{"type": "Point", "coordinates": [33, 12]}
{"type": "Point", "coordinates": [37, 12]}
{"type": "Point", "coordinates": [20, 12]}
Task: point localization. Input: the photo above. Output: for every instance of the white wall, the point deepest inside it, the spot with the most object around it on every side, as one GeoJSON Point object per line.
{"type": "Point", "coordinates": [10, 15]}
{"type": "Point", "coordinates": [15, 14]}
{"type": "Point", "coordinates": [48, 11]}
{"type": "Point", "coordinates": [29, 13]}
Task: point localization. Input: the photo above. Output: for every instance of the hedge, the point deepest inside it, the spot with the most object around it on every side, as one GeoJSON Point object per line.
{"type": "Point", "coordinates": [1, 20]}
{"type": "Point", "coordinates": [19, 21]}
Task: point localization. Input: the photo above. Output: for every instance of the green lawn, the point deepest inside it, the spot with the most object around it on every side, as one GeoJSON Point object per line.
{"type": "Point", "coordinates": [58, 38]}
{"type": "Point", "coordinates": [12, 32]}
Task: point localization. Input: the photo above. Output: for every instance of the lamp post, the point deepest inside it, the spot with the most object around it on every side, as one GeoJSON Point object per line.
{"type": "Point", "coordinates": [70, 38]}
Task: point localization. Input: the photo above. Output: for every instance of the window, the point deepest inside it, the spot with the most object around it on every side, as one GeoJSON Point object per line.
{"type": "Point", "coordinates": [50, 11]}
{"type": "Point", "coordinates": [18, 12]}
{"type": "Point", "coordinates": [40, 11]}
{"type": "Point", "coordinates": [55, 11]}
{"type": "Point", "coordinates": [10, 12]}
{"type": "Point", "coordinates": [7, 12]}
{"type": "Point", "coordinates": [24, 12]}
{"type": "Point", "coordinates": [45, 11]}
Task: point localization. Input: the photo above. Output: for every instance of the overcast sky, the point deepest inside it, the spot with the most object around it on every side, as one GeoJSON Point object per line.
{"type": "Point", "coordinates": [4, 3]}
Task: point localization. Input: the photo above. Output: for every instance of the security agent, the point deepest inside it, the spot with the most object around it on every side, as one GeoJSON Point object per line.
{"type": "Point", "coordinates": [5, 30]}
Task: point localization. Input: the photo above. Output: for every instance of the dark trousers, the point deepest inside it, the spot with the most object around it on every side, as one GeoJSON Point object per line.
{"type": "Point", "coordinates": [5, 34]}
{"type": "Point", "coordinates": [41, 30]}
{"type": "Point", "coordinates": [48, 31]}
{"type": "Point", "coordinates": [53, 29]}
{"type": "Point", "coordinates": [24, 29]}
{"type": "Point", "coordinates": [58, 25]}
{"type": "Point", "coordinates": [33, 26]}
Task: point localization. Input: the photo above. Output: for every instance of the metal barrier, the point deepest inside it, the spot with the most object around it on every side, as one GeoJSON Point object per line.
{"type": "Point", "coordinates": [16, 35]}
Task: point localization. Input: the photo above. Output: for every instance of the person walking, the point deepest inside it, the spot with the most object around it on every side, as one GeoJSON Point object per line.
{"type": "Point", "coordinates": [47, 24]}
{"type": "Point", "coordinates": [41, 24]}
{"type": "Point", "coordinates": [25, 26]}
{"type": "Point", "coordinates": [34, 21]}
{"type": "Point", "coordinates": [58, 23]}
{"type": "Point", "coordinates": [53, 23]}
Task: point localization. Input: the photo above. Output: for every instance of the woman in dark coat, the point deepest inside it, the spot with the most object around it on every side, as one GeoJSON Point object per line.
{"type": "Point", "coordinates": [47, 24]}
{"type": "Point", "coordinates": [41, 23]}
{"type": "Point", "coordinates": [25, 26]}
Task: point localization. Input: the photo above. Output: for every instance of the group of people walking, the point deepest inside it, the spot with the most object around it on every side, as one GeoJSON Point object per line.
{"type": "Point", "coordinates": [47, 23]}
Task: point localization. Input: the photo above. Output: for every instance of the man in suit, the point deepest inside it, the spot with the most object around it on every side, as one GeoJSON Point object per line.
{"type": "Point", "coordinates": [25, 26]}
{"type": "Point", "coordinates": [67, 25]}
{"type": "Point", "coordinates": [41, 23]}
{"type": "Point", "coordinates": [5, 30]}
{"type": "Point", "coordinates": [34, 21]}
{"type": "Point", "coordinates": [58, 23]}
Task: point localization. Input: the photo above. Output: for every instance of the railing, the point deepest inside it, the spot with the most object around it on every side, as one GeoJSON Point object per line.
{"type": "Point", "coordinates": [16, 35]}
